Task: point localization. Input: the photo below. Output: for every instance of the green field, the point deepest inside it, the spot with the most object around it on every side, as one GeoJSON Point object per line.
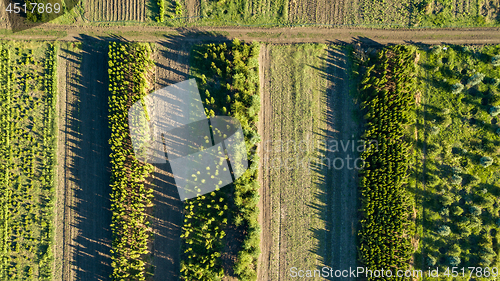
{"type": "Point", "coordinates": [461, 140]}
{"type": "Point", "coordinates": [291, 151]}
{"type": "Point", "coordinates": [27, 130]}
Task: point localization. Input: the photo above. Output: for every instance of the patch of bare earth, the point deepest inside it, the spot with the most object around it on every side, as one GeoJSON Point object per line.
{"type": "Point", "coordinates": [193, 9]}
{"type": "Point", "coordinates": [342, 181]}
{"type": "Point", "coordinates": [84, 236]}
{"type": "Point", "coordinates": [264, 266]}
{"type": "Point", "coordinates": [172, 66]}
{"type": "Point", "coordinates": [114, 10]}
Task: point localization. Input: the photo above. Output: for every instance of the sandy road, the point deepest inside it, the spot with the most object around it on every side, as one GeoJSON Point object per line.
{"type": "Point", "coordinates": [276, 35]}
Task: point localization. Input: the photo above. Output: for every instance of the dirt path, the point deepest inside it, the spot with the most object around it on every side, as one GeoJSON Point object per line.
{"type": "Point", "coordinates": [342, 182]}
{"type": "Point", "coordinates": [84, 165]}
{"type": "Point", "coordinates": [264, 265]}
{"type": "Point", "coordinates": [274, 35]}
{"type": "Point", "coordinates": [68, 73]}
{"type": "Point", "coordinates": [172, 66]}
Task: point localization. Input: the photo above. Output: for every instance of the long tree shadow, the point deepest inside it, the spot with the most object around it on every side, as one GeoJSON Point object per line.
{"type": "Point", "coordinates": [338, 192]}
{"type": "Point", "coordinates": [92, 245]}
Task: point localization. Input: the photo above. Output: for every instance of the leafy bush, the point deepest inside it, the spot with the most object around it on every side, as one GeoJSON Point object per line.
{"type": "Point", "coordinates": [495, 60]}
{"type": "Point", "coordinates": [456, 211]}
{"type": "Point", "coordinates": [486, 161]}
{"type": "Point", "coordinates": [433, 150]}
{"type": "Point", "coordinates": [434, 130]}
{"type": "Point", "coordinates": [453, 260]}
{"type": "Point", "coordinates": [444, 230]}
{"type": "Point", "coordinates": [456, 180]}
{"type": "Point", "coordinates": [454, 250]}
{"type": "Point", "coordinates": [457, 88]}
{"type": "Point", "coordinates": [161, 11]}
{"type": "Point", "coordinates": [446, 200]}
{"type": "Point", "coordinates": [475, 79]}
{"type": "Point", "coordinates": [475, 210]}
{"type": "Point", "coordinates": [430, 261]}
{"type": "Point", "coordinates": [494, 111]}
{"type": "Point", "coordinates": [494, 99]}
{"type": "Point", "coordinates": [445, 121]}
{"type": "Point", "coordinates": [436, 49]}
{"type": "Point", "coordinates": [444, 212]}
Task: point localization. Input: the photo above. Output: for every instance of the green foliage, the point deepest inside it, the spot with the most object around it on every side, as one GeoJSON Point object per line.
{"type": "Point", "coordinates": [386, 222]}
{"type": "Point", "coordinates": [446, 200]}
{"type": "Point", "coordinates": [229, 86]}
{"type": "Point", "coordinates": [457, 88]}
{"type": "Point", "coordinates": [495, 60]}
{"type": "Point", "coordinates": [457, 211]}
{"type": "Point", "coordinates": [444, 230]}
{"type": "Point", "coordinates": [494, 110]}
{"type": "Point", "coordinates": [161, 11]}
{"type": "Point", "coordinates": [456, 180]}
{"type": "Point", "coordinates": [475, 79]}
{"type": "Point", "coordinates": [28, 91]}
{"type": "Point", "coordinates": [454, 250]}
{"type": "Point", "coordinates": [486, 161]}
{"type": "Point", "coordinates": [475, 210]}
{"type": "Point", "coordinates": [128, 65]}
{"type": "Point", "coordinates": [453, 260]}
{"type": "Point", "coordinates": [430, 261]}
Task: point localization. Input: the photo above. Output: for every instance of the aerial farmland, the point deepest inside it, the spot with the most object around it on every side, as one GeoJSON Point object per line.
{"type": "Point", "coordinates": [287, 140]}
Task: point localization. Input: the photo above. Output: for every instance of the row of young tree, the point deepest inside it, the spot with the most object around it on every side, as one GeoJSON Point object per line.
{"type": "Point", "coordinates": [5, 158]}
{"type": "Point", "coordinates": [387, 227]}
{"type": "Point", "coordinates": [27, 161]}
{"type": "Point", "coordinates": [129, 65]}
{"type": "Point", "coordinates": [228, 81]}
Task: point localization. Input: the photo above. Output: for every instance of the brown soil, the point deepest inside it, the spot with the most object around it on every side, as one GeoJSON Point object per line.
{"type": "Point", "coordinates": [366, 36]}
{"type": "Point", "coordinates": [83, 166]}
{"type": "Point", "coordinates": [193, 8]}
{"type": "Point", "coordinates": [172, 66]}
{"type": "Point", "coordinates": [111, 10]}
{"type": "Point", "coordinates": [342, 183]}
{"type": "Point", "coordinates": [264, 266]}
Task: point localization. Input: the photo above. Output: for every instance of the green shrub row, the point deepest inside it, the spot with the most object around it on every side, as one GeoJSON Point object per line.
{"type": "Point", "coordinates": [5, 158]}
{"type": "Point", "coordinates": [387, 227]}
{"type": "Point", "coordinates": [161, 11]}
{"type": "Point", "coordinates": [227, 76]}
{"type": "Point", "coordinates": [128, 65]}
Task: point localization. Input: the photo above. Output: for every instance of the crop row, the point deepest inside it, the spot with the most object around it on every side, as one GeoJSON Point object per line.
{"type": "Point", "coordinates": [27, 150]}
{"type": "Point", "coordinates": [386, 224]}
{"type": "Point", "coordinates": [129, 65]}
{"type": "Point", "coordinates": [228, 82]}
